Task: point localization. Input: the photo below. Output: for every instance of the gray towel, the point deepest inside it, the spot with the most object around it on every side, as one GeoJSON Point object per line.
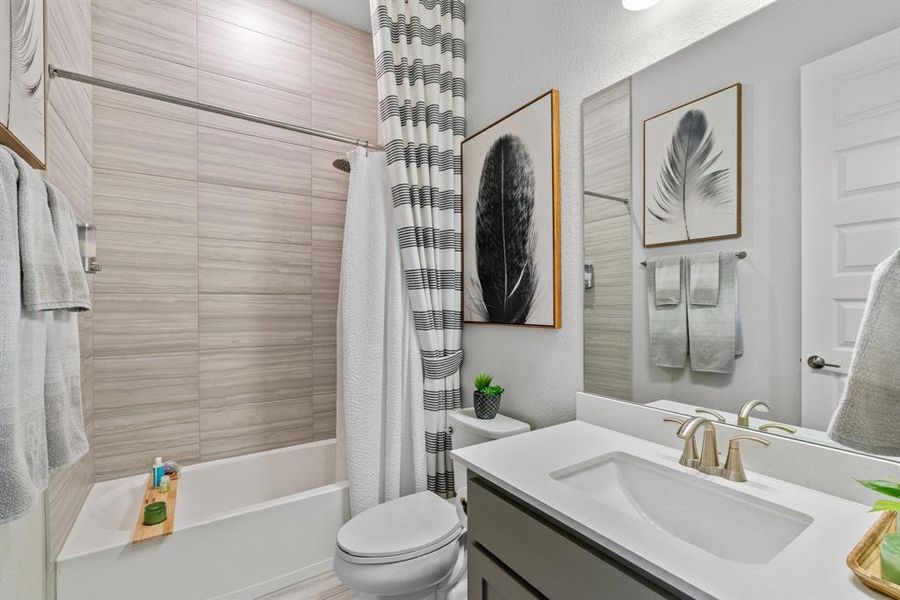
{"type": "Point", "coordinates": [23, 442]}
{"type": "Point", "coordinates": [704, 284]}
{"type": "Point", "coordinates": [66, 230]}
{"type": "Point", "coordinates": [45, 281]}
{"type": "Point", "coordinates": [668, 325]}
{"type": "Point", "coordinates": [715, 331]}
{"type": "Point", "coordinates": [868, 416]}
{"type": "Point", "coordinates": [668, 279]}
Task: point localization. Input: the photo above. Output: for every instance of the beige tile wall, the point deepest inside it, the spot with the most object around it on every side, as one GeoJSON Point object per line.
{"type": "Point", "coordinates": [69, 159]}
{"type": "Point", "coordinates": [220, 239]}
{"type": "Point", "coordinates": [607, 242]}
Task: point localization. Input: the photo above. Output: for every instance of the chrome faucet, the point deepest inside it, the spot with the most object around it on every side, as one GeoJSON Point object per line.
{"type": "Point", "coordinates": [709, 454]}
{"type": "Point", "coordinates": [747, 408]}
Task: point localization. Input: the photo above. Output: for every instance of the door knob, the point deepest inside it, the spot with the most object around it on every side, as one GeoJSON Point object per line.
{"type": "Point", "coordinates": [817, 362]}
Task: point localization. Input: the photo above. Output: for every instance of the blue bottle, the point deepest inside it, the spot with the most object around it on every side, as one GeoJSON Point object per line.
{"type": "Point", "coordinates": [158, 471]}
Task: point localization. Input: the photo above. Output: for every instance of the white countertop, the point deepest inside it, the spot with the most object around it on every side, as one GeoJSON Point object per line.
{"type": "Point", "coordinates": [811, 567]}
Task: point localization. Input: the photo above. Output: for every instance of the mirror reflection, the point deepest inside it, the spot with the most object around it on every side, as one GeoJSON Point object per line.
{"type": "Point", "coordinates": [742, 228]}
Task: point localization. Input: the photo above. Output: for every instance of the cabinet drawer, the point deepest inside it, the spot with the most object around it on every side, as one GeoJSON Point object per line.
{"type": "Point", "coordinates": [489, 580]}
{"type": "Point", "coordinates": [553, 561]}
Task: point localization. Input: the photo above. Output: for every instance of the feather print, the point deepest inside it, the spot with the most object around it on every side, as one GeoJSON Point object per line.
{"type": "Point", "coordinates": [688, 187]}
{"type": "Point", "coordinates": [504, 233]}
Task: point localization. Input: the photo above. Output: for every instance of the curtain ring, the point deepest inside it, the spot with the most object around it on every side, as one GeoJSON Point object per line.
{"type": "Point", "coordinates": [367, 147]}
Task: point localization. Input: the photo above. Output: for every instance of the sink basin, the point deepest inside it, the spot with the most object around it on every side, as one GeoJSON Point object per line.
{"type": "Point", "coordinates": [717, 519]}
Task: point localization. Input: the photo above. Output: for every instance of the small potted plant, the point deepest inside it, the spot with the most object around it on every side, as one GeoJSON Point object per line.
{"type": "Point", "coordinates": [890, 545]}
{"type": "Point", "coordinates": [487, 397]}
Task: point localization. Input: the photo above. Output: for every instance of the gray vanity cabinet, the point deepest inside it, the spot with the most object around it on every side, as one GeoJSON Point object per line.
{"type": "Point", "coordinates": [517, 553]}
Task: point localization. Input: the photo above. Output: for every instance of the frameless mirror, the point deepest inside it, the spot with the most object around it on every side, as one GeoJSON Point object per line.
{"type": "Point", "coordinates": [756, 174]}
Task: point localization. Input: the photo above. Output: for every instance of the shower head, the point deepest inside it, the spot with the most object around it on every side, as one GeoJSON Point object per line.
{"type": "Point", "coordinates": [341, 164]}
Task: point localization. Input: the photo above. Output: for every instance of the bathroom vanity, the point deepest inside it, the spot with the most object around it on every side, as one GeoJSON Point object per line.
{"type": "Point", "coordinates": [583, 511]}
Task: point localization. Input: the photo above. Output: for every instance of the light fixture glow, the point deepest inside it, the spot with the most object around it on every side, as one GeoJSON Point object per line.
{"type": "Point", "coordinates": [639, 4]}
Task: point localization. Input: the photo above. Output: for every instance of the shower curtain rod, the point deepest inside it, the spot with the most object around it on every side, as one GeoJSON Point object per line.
{"type": "Point", "coordinates": [128, 89]}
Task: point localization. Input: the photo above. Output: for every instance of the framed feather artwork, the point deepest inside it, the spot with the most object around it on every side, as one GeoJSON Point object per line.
{"type": "Point", "coordinates": [23, 79]}
{"type": "Point", "coordinates": [510, 198]}
{"type": "Point", "coordinates": [692, 171]}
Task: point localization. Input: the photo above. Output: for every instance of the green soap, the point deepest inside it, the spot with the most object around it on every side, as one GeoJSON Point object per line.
{"type": "Point", "coordinates": [155, 513]}
{"type": "Point", "coordinates": [890, 557]}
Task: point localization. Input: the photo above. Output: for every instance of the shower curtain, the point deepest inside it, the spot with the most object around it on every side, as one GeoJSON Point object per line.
{"type": "Point", "coordinates": [420, 65]}
{"type": "Point", "coordinates": [379, 371]}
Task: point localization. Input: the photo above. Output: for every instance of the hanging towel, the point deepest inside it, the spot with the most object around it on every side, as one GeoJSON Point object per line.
{"type": "Point", "coordinates": [668, 324]}
{"type": "Point", "coordinates": [868, 416]}
{"type": "Point", "coordinates": [65, 229]}
{"type": "Point", "coordinates": [23, 441]}
{"type": "Point", "coordinates": [66, 439]}
{"type": "Point", "coordinates": [704, 284]}
{"type": "Point", "coordinates": [668, 280]}
{"type": "Point", "coordinates": [380, 375]}
{"type": "Point", "coordinates": [715, 330]}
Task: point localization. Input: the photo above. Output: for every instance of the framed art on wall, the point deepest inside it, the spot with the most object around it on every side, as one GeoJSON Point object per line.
{"type": "Point", "coordinates": [692, 171]}
{"type": "Point", "coordinates": [510, 197]}
{"type": "Point", "coordinates": [22, 79]}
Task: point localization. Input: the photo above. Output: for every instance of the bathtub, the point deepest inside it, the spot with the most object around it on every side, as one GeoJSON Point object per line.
{"type": "Point", "coordinates": [244, 526]}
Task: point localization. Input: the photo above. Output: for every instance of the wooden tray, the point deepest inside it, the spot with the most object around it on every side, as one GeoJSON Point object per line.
{"type": "Point", "coordinates": [865, 559]}
{"type": "Point", "coordinates": [151, 494]}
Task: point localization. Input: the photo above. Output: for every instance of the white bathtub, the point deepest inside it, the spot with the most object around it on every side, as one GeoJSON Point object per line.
{"type": "Point", "coordinates": [244, 526]}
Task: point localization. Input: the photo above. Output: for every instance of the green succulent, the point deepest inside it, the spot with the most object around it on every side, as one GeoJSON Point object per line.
{"type": "Point", "coordinates": [492, 390]}
{"type": "Point", "coordinates": [482, 381]}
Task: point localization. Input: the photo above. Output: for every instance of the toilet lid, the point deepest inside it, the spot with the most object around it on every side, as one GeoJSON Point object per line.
{"type": "Point", "coordinates": [407, 525]}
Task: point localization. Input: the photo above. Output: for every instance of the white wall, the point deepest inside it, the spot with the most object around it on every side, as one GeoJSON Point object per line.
{"type": "Point", "coordinates": [764, 52]}
{"type": "Point", "coordinates": [22, 556]}
{"type": "Point", "coordinates": [517, 50]}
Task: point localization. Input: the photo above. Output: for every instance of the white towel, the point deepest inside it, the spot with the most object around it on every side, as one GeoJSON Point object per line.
{"type": "Point", "coordinates": [379, 362]}
{"type": "Point", "coordinates": [65, 229]}
{"type": "Point", "coordinates": [868, 416]}
{"type": "Point", "coordinates": [668, 325]}
{"type": "Point", "coordinates": [715, 331]}
{"type": "Point", "coordinates": [23, 442]}
{"type": "Point", "coordinates": [704, 284]}
{"type": "Point", "coordinates": [668, 279]}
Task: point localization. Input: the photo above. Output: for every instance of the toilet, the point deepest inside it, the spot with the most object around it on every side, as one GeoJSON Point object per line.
{"type": "Point", "coordinates": [414, 547]}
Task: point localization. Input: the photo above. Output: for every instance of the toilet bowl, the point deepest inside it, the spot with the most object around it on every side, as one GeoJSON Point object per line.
{"type": "Point", "coordinates": [414, 548]}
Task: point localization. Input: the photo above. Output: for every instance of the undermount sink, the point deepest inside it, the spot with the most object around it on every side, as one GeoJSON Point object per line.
{"type": "Point", "coordinates": [724, 522]}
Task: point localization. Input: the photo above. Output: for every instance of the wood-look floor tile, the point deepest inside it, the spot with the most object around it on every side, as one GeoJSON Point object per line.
{"type": "Point", "coordinates": [255, 99]}
{"type": "Point", "coordinates": [143, 26]}
{"type": "Point", "coordinates": [242, 160]}
{"type": "Point", "coordinates": [285, 20]}
{"type": "Point", "coordinates": [242, 321]}
{"type": "Point", "coordinates": [140, 143]}
{"type": "Point", "coordinates": [145, 264]}
{"type": "Point", "coordinates": [144, 323]}
{"type": "Point", "coordinates": [241, 53]}
{"type": "Point", "coordinates": [144, 71]}
{"type": "Point", "coordinates": [328, 222]}
{"type": "Point", "coordinates": [148, 204]}
{"type": "Point", "coordinates": [235, 267]}
{"type": "Point", "coordinates": [322, 587]}
{"type": "Point", "coordinates": [245, 428]}
{"type": "Point", "coordinates": [236, 213]}
{"type": "Point", "coordinates": [253, 375]}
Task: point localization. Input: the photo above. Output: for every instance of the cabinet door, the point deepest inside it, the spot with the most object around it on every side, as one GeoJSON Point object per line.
{"type": "Point", "coordinates": [489, 580]}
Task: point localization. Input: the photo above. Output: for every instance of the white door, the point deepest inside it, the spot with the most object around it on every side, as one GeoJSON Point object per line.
{"type": "Point", "coordinates": [850, 203]}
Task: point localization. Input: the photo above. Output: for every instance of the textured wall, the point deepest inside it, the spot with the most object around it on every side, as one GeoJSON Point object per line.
{"type": "Point", "coordinates": [514, 54]}
{"type": "Point", "coordinates": [220, 239]}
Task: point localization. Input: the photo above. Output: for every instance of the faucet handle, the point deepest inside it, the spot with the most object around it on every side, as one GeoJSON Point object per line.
{"type": "Point", "coordinates": [779, 426]}
{"type": "Point", "coordinates": [689, 455]}
{"type": "Point", "coordinates": [705, 411]}
{"type": "Point", "coordinates": [734, 467]}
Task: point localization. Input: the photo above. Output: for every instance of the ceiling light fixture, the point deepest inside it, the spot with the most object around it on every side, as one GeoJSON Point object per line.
{"type": "Point", "coordinates": [636, 5]}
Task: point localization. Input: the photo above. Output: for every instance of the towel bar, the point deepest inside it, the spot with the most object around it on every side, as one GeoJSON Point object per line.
{"type": "Point", "coordinates": [740, 254]}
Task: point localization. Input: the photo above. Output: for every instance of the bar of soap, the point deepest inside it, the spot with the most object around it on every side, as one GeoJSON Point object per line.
{"type": "Point", "coordinates": [890, 557]}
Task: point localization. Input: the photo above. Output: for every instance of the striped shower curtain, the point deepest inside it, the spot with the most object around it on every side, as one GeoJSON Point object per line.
{"type": "Point", "coordinates": [420, 66]}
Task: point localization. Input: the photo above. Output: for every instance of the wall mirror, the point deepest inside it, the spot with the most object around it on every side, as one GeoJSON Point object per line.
{"type": "Point", "coordinates": [786, 126]}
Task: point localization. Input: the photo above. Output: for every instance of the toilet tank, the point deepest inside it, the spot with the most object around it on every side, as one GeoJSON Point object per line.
{"type": "Point", "coordinates": [468, 430]}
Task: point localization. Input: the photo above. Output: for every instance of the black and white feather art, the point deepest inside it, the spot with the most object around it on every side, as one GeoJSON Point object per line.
{"type": "Point", "coordinates": [504, 233]}
{"type": "Point", "coordinates": [690, 189]}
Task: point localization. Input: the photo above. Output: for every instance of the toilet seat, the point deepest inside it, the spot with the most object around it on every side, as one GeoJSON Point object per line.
{"type": "Point", "coordinates": [399, 530]}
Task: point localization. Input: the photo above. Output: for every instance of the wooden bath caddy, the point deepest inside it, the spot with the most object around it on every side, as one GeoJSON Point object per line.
{"type": "Point", "coordinates": [151, 494]}
{"type": "Point", "coordinates": [865, 559]}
